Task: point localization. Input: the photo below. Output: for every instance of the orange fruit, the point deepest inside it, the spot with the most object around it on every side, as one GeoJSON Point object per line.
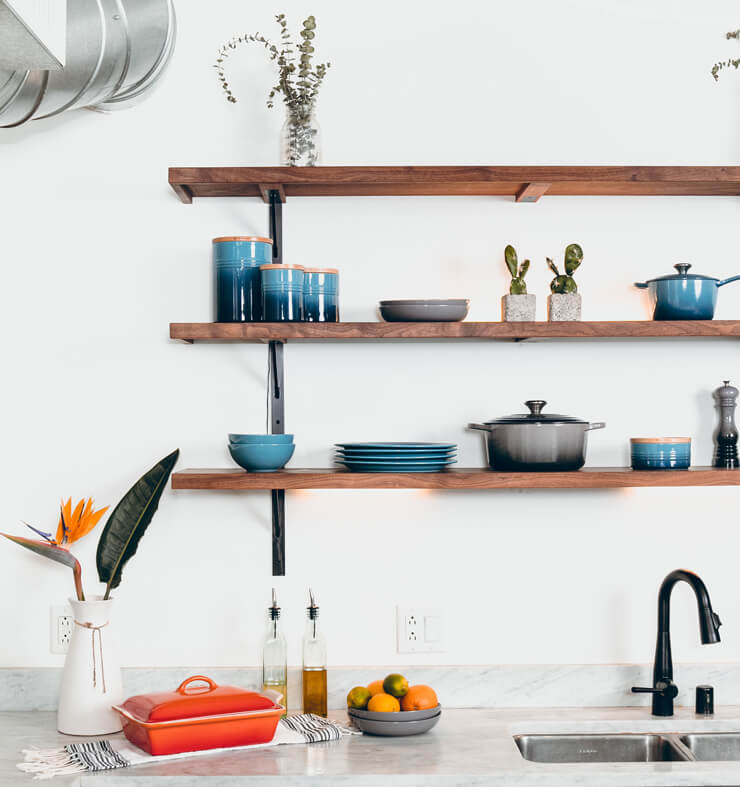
{"type": "Point", "coordinates": [383, 703]}
{"type": "Point", "coordinates": [376, 687]}
{"type": "Point", "coordinates": [419, 698]}
{"type": "Point", "coordinates": [358, 698]}
{"type": "Point", "coordinates": [395, 685]}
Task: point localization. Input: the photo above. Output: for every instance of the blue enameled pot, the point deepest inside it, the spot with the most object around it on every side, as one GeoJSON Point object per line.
{"type": "Point", "coordinates": [282, 293]}
{"type": "Point", "coordinates": [321, 295]}
{"type": "Point", "coordinates": [660, 453]}
{"type": "Point", "coordinates": [683, 295]}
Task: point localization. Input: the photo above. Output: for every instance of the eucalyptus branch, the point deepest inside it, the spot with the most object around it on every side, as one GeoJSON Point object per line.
{"type": "Point", "coordinates": [731, 63]}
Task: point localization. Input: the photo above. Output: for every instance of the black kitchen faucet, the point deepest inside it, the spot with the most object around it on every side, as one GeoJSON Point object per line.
{"type": "Point", "coordinates": [664, 690]}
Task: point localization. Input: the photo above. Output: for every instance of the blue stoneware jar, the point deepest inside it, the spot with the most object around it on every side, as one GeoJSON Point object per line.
{"type": "Point", "coordinates": [660, 453]}
{"type": "Point", "coordinates": [683, 295]}
{"type": "Point", "coordinates": [282, 293]}
{"type": "Point", "coordinates": [237, 282]}
{"type": "Point", "coordinates": [321, 295]}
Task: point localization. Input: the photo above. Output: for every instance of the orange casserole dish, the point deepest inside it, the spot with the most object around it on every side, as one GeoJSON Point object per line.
{"type": "Point", "coordinates": [193, 719]}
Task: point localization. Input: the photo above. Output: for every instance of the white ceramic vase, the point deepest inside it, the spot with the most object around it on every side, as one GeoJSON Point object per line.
{"type": "Point", "coordinates": [91, 681]}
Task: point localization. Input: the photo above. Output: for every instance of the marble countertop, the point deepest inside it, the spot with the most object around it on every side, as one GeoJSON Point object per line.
{"type": "Point", "coordinates": [467, 747]}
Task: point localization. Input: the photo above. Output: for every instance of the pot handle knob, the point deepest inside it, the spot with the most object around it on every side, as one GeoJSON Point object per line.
{"type": "Point", "coordinates": [682, 268]}
{"type": "Point", "coordinates": [535, 405]}
{"type": "Point", "coordinates": [181, 689]}
{"type": "Point", "coordinates": [597, 425]}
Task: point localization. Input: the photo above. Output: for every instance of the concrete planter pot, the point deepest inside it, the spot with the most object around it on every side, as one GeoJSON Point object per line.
{"type": "Point", "coordinates": [518, 308]}
{"type": "Point", "coordinates": [564, 307]}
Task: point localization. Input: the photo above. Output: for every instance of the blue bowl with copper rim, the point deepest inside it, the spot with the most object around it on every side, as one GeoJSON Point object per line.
{"type": "Point", "coordinates": [660, 453]}
{"type": "Point", "coordinates": [237, 439]}
{"type": "Point", "coordinates": [261, 457]}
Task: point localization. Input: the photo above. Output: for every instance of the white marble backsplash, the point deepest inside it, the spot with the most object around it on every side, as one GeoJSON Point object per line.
{"type": "Point", "coordinates": [493, 686]}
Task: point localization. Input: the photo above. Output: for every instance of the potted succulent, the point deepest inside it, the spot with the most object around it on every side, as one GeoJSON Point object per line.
{"type": "Point", "coordinates": [564, 303]}
{"type": "Point", "coordinates": [518, 305]}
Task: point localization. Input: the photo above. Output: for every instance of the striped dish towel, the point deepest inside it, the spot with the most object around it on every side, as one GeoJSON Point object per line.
{"type": "Point", "coordinates": [106, 755]}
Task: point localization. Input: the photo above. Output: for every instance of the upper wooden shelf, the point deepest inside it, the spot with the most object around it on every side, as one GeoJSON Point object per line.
{"type": "Point", "coordinates": [526, 184]}
{"type": "Point", "coordinates": [463, 478]}
{"type": "Point", "coordinates": [283, 331]}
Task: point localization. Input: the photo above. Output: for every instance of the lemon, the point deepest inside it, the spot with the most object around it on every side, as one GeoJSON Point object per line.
{"type": "Point", "coordinates": [384, 703]}
{"type": "Point", "coordinates": [358, 697]}
{"type": "Point", "coordinates": [395, 685]}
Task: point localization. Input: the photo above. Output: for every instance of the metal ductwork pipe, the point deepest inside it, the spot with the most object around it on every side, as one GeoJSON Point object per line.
{"type": "Point", "coordinates": [116, 51]}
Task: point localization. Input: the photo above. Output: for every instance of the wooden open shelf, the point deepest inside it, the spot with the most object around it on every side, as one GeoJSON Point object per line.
{"type": "Point", "coordinates": [282, 331]}
{"type": "Point", "coordinates": [526, 184]}
{"type": "Point", "coordinates": [462, 478]}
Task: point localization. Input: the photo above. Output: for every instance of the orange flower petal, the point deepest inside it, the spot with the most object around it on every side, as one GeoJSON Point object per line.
{"type": "Point", "coordinates": [86, 526]}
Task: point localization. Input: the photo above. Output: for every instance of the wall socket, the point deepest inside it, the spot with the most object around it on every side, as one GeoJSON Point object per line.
{"type": "Point", "coordinates": [419, 630]}
{"type": "Point", "coordinates": [61, 628]}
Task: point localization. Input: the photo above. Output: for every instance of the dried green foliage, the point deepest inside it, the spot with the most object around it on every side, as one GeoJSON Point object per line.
{"type": "Point", "coordinates": [299, 80]}
{"type": "Point", "coordinates": [732, 62]}
{"type": "Point", "coordinates": [564, 283]}
{"type": "Point", "coordinates": [518, 285]}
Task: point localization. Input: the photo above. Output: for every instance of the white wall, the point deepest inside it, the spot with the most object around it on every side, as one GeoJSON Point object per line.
{"type": "Point", "coordinates": [98, 256]}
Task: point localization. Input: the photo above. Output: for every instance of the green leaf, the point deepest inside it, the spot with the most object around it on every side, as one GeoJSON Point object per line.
{"type": "Point", "coordinates": [512, 261]}
{"type": "Point", "coordinates": [552, 266]}
{"type": "Point", "coordinates": [129, 521]}
{"type": "Point", "coordinates": [523, 270]}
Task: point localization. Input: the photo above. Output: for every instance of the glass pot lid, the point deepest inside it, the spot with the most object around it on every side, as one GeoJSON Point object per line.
{"type": "Point", "coordinates": [683, 273]}
{"type": "Point", "coordinates": [536, 416]}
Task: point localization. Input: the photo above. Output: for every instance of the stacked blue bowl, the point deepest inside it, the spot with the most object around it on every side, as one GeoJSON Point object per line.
{"type": "Point", "coordinates": [261, 453]}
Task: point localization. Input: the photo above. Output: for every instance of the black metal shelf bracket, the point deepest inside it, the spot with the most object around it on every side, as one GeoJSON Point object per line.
{"type": "Point", "coordinates": [276, 386]}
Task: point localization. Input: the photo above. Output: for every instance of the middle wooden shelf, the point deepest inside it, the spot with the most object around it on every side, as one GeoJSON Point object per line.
{"type": "Point", "coordinates": [284, 331]}
{"type": "Point", "coordinates": [459, 478]}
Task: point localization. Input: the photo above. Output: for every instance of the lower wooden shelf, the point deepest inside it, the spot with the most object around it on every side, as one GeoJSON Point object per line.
{"type": "Point", "coordinates": [518, 331]}
{"type": "Point", "coordinates": [459, 478]}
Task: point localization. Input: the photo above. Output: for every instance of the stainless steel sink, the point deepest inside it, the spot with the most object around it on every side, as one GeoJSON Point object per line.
{"type": "Point", "coordinates": [620, 747]}
{"type": "Point", "coordinates": [713, 745]}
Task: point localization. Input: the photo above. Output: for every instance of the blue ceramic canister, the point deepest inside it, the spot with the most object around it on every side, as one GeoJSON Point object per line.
{"type": "Point", "coordinates": [282, 293]}
{"type": "Point", "coordinates": [321, 295]}
{"type": "Point", "coordinates": [237, 281]}
{"type": "Point", "coordinates": [660, 453]}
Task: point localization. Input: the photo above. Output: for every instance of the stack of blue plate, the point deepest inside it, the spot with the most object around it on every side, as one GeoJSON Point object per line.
{"type": "Point", "coordinates": [396, 457]}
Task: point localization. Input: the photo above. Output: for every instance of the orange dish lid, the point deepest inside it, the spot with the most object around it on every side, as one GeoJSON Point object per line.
{"type": "Point", "coordinates": [228, 238]}
{"type": "Point", "coordinates": [275, 266]}
{"type": "Point", "coordinates": [190, 702]}
{"type": "Point", "coordinates": [321, 270]}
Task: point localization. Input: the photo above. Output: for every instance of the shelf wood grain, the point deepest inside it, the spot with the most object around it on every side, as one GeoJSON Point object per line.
{"type": "Point", "coordinates": [517, 331]}
{"type": "Point", "coordinates": [526, 183]}
{"type": "Point", "coordinates": [458, 478]}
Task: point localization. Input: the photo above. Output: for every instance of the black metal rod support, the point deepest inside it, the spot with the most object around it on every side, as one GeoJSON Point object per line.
{"type": "Point", "coordinates": [276, 382]}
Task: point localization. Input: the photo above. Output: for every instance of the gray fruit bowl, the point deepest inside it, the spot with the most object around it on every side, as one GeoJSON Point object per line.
{"type": "Point", "coordinates": [394, 728]}
{"type": "Point", "coordinates": [404, 715]}
{"type": "Point", "coordinates": [450, 310]}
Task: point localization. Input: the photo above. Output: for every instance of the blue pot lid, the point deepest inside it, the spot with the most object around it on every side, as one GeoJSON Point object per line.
{"type": "Point", "coordinates": [683, 273]}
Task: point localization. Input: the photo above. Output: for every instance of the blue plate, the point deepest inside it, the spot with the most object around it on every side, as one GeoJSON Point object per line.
{"type": "Point", "coordinates": [379, 467]}
{"type": "Point", "coordinates": [400, 465]}
{"type": "Point", "coordinates": [391, 457]}
{"type": "Point", "coordinates": [397, 446]}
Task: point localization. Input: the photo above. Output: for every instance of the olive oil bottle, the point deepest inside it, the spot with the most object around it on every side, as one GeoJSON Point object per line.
{"type": "Point", "coordinates": [275, 655]}
{"type": "Point", "coordinates": [314, 663]}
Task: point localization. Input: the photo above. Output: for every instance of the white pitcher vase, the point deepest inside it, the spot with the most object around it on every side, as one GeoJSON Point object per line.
{"type": "Point", "coordinates": [91, 681]}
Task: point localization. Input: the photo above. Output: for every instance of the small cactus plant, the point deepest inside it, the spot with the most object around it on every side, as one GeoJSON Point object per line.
{"type": "Point", "coordinates": [565, 283]}
{"type": "Point", "coordinates": [518, 272]}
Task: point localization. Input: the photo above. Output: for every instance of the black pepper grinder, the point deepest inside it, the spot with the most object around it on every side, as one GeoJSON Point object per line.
{"type": "Point", "coordinates": [726, 450]}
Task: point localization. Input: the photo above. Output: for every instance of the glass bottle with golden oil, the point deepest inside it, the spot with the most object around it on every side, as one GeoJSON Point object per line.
{"type": "Point", "coordinates": [314, 663]}
{"type": "Point", "coordinates": [275, 655]}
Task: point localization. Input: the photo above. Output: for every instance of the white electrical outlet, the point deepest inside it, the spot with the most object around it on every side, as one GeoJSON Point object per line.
{"type": "Point", "coordinates": [419, 630]}
{"type": "Point", "coordinates": [61, 628]}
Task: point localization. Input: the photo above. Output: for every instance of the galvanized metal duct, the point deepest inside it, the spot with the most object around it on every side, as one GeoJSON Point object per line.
{"type": "Point", "coordinates": [116, 51]}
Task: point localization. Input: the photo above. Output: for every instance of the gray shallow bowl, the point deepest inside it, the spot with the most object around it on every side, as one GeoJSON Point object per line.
{"type": "Point", "coordinates": [405, 715]}
{"type": "Point", "coordinates": [429, 311]}
{"type": "Point", "coordinates": [395, 728]}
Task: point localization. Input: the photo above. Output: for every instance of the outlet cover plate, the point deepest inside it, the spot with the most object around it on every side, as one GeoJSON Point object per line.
{"type": "Point", "coordinates": [60, 631]}
{"type": "Point", "coordinates": [419, 630]}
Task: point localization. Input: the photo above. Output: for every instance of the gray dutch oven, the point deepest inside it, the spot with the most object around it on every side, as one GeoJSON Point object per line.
{"type": "Point", "coordinates": [536, 441]}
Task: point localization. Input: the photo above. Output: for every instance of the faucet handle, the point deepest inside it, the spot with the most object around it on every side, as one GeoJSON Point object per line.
{"type": "Point", "coordinates": [665, 688]}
